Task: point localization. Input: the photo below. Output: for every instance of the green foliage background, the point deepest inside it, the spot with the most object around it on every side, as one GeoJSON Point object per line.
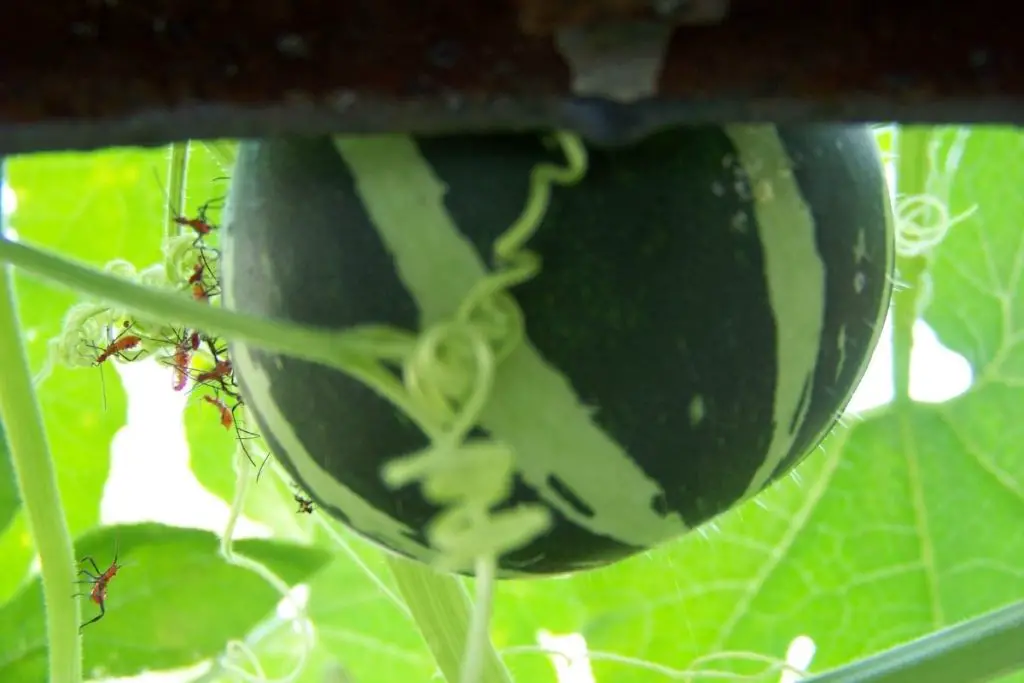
{"type": "Point", "coordinates": [907, 519]}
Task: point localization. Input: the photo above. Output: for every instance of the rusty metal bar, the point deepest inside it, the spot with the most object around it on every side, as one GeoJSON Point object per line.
{"type": "Point", "coordinates": [82, 74]}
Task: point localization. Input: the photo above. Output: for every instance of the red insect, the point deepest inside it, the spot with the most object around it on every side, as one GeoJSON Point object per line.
{"type": "Point", "coordinates": [99, 581]}
{"type": "Point", "coordinates": [201, 292]}
{"type": "Point", "coordinates": [119, 344]}
{"type": "Point", "coordinates": [222, 372]}
{"type": "Point", "coordinates": [197, 274]}
{"type": "Point", "coordinates": [181, 359]}
{"type": "Point", "coordinates": [218, 373]}
{"type": "Point", "coordinates": [200, 224]}
{"type": "Point", "coordinates": [200, 271]}
{"type": "Point", "coordinates": [227, 420]}
{"type": "Point", "coordinates": [227, 415]}
{"type": "Point", "coordinates": [116, 348]}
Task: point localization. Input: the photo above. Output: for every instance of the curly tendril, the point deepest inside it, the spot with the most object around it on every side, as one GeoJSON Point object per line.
{"type": "Point", "coordinates": [922, 222]}
{"type": "Point", "coordinates": [89, 327]}
{"type": "Point", "coordinates": [449, 377]}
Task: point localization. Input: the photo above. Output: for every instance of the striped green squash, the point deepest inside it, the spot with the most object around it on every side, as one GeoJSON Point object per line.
{"type": "Point", "coordinates": [707, 304]}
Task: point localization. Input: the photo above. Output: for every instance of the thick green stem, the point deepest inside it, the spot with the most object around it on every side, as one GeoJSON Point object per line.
{"type": "Point", "coordinates": [176, 174]}
{"type": "Point", "coordinates": [982, 649]}
{"type": "Point", "coordinates": [359, 352]}
{"type": "Point", "coordinates": [338, 349]}
{"type": "Point", "coordinates": [443, 611]}
{"type": "Point", "coordinates": [37, 484]}
{"type": "Point", "coordinates": [912, 170]}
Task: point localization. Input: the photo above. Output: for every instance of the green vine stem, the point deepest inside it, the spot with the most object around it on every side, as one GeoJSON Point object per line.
{"type": "Point", "coordinates": [37, 484]}
{"type": "Point", "coordinates": [911, 180]}
{"type": "Point", "coordinates": [336, 349]}
{"type": "Point", "coordinates": [442, 609]}
{"type": "Point", "coordinates": [177, 171]}
{"type": "Point", "coordinates": [359, 352]}
{"type": "Point", "coordinates": [981, 649]}
{"type": "Point", "coordinates": [478, 646]}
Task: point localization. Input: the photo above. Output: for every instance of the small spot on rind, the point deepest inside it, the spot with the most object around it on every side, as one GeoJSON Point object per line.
{"type": "Point", "coordinates": [859, 282]}
{"type": "Point", "coordinates": [697, 410]}
{"type": "Point", "coordinates": [659, 503]}
{"type": "Point", "coordinates": [740, 222]}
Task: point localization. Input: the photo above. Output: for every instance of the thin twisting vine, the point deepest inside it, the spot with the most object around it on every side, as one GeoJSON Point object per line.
{"type": "Point", "coordinates": [90, 325]}
{"type": "Point", "coordinates": [450, 376]}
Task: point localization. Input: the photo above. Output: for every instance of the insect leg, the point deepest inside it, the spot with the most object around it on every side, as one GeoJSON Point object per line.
{"type": "Point", "coordinates": [103, 610]}
{"type": "Point", "coordinates": [92, 562]}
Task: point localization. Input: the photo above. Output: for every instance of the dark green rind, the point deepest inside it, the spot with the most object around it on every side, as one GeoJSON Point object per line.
{"type": "Point", "coordinates": [654, 291]}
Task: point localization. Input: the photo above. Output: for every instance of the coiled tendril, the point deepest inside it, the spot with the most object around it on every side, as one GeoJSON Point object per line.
{"type": "Point", "coordinates": [88, 327]}
{"type": "Point", "coordinates": [450, 375]}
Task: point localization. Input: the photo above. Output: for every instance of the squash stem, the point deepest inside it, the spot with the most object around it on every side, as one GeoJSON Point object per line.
{"type": "Point", "coordinates": [444, 614]}
{"type": "Point", "coordinates": [40, 497]}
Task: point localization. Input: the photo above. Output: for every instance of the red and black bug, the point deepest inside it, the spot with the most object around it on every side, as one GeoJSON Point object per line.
{"type": "Point", "coordinates": [221, 376]}
{"type": "Point", "coordinates": [201, 292]}
{"type": "Point", "coordinates": [203, 282]}
{"type": "Point", "coordinates": [99, 581]}
{"type": "Point", "coordinates": [201, 224]}
{"type": "Point", "coordinates": [221, 373]}
{"type": "Point", "coordinates": [227, 420]}
{"type": "Point", "coordinates": [182, 360]}
{"type": "Point", "coordinates": [117, 346]}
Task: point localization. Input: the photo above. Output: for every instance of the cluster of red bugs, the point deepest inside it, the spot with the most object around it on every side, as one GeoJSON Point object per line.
{"type": "Point", "coordinates": [219, 380]}
{"type": "Point", "coordinates": [182, 345]}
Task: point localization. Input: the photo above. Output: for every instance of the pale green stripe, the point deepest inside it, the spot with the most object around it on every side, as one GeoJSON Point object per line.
{"type": "Point", "coordinates": [260, 398]}
{"type": "Point", "coordinates": [363, 515]}
{"type": "Point", "coordinates": [795, 276]}
{"type": "Point", "coordinates": [535, 409]}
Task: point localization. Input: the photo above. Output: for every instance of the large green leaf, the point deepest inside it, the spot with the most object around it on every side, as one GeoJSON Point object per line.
{"type": "Point", "coordinates": [358, 627]}
{"type": "Point", "coordinates": [175, 602]}
{"type": "Point", "coordinates": [977, 494]}
{"type": "Point", "coordinates": [95, 207]}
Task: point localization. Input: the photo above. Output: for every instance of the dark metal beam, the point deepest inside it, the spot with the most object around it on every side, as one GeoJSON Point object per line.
{"type": "Point", "coordinates": [82, 74]}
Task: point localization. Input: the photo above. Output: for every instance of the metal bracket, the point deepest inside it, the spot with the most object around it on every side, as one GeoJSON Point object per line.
{"type": "Point", "coordinates": [622, 60]}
